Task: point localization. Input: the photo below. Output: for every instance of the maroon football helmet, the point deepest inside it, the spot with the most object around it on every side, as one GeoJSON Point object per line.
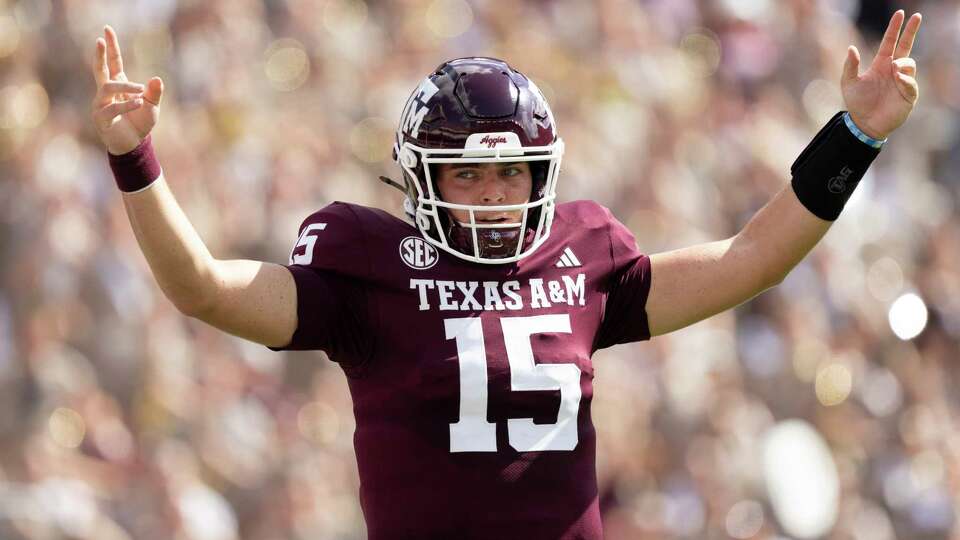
{"type": "Point", "coordinates": [478, 110]}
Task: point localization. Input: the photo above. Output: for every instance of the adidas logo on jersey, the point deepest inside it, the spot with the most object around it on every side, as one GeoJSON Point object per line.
{"type": "Point", "coordinates": [568, 259]}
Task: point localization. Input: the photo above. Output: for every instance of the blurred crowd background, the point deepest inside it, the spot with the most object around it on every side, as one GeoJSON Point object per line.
{"type": "Point", "coordinates": [122, 419]}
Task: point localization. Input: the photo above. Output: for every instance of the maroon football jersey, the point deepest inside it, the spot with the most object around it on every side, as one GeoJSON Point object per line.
{"type": "Point", "coordinates": [471, 383]}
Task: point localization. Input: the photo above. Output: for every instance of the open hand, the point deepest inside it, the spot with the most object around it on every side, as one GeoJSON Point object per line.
{"type": "Point", "coordinates": [881, 99]}
{"type": "Point", "coordinates": [123, 112]}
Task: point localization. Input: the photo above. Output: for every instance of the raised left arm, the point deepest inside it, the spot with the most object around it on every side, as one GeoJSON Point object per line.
{"type": "Point", "coordinates": [690, 284]}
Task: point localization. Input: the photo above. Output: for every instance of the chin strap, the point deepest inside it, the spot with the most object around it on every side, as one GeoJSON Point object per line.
{"type": "Point", "coordinates": [407, 203]}
{"type": "Point", "coordinates": [394, 183]}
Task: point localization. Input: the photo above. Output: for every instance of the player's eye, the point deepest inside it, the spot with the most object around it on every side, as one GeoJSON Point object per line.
{"type": "Point", "coordinates": [467, 174]}
{"type": "Point", "coordinates": [510, 171]}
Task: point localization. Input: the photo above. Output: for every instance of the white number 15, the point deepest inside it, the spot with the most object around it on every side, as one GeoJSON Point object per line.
{"type": "Point", "coordinates": [472, 432]}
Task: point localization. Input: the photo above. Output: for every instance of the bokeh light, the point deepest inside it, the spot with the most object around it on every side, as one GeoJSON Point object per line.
{"type": "Point", "coordinates": [66, 427]}
{"type": "Point", "coordinates": [907, 316]}
{"type": "Point", "coordinates": [744, 519]}
{"type": "Point", "coordinates": [58, 163]}
{"type": "Point", "coordinates": [748, 9]}
{"type": "Point", "coordinates": [30, 105]}
{"type": "Point", "coordinates": [370, 140]}
{"type": "Point", "coordinates": [205, 514]}
{"type": "Point", "coordinates": [833, 384]}
{"type": "Point", "coordinates": [318, 422]}
{"type": "Point", "coordinates": [287, 66]}
{"type": "Point", "coordinates": [880, 392]}
{"type": "Point", "coordinates": [449, 18]}
{"type": "Point", "coordinates": [801, 479]}
{"type": "Point", "coordinates": [701, 53]}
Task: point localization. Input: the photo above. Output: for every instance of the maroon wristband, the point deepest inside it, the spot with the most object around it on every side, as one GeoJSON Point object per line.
{"type": "Point", "coordinates": [137, 168]}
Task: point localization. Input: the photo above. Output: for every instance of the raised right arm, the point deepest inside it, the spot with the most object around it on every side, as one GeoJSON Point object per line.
{"type": "Point", "coordinates": [251, 299]}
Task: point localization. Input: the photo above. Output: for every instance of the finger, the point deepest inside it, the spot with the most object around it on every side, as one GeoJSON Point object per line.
{"type": "Point", "coordinates": [116, 90]}
{"type": "Point", "coordinates": [908, 87]}
{"type": "Point", "coordinates": [114, 60]}
{"type": "Point", "coordinates": [154, 91]}
{"type": "Point", "coordinates": [106, 115]}
{"type": "Point", "coordinates": [907, 66]}
{"type": "Point", "coordinates": [909, 33]}
{"type": "Point", "coordinates": [116, 87]}
{"type": "Point", "coordinates": [851, 66]}
{"type": "Point", "coordinates": [890, 36]}
{"type": "Point", "coordinates": [100, 72]}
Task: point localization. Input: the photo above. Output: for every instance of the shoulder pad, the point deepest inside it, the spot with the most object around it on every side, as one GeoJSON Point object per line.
{"type": "Point", "coordinates": [585, 214]}
{"type": "Point", "coordinates": [592, 215]}
{"type": "Point", "coordinates": [332, 238]}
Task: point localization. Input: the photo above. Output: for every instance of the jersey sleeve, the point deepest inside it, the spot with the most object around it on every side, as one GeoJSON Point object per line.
{"type": "Point", "coordinates": [329, 264]}
{"type": "Point", "coordinates": [624, 313]}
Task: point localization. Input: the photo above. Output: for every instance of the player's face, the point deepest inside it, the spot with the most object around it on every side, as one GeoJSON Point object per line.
{"type": "Point", "coordinates": [485, 184]}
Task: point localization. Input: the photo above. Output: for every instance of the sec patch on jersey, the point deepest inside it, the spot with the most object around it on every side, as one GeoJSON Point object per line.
{"type": "Point", "coordinates": [417, 253]}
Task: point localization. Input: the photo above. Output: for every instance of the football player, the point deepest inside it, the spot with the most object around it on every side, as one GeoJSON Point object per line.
{"type": "Point", "coordinates": [466, 329]}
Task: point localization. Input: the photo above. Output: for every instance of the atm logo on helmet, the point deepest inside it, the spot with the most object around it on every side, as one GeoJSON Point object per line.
{"type": "Point", "coordinates": [492, 142]}
{"type": "Point", "coordinates": [417, 253]}
{"type": "Point", "coordinates": [416, 108]}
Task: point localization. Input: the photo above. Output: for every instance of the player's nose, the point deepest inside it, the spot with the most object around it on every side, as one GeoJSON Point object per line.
{"type": "Point", "coordinates": [493, 188]}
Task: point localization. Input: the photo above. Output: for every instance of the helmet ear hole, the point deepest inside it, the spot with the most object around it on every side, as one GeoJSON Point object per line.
{"type": "Point", "coordinates": [423, 221]}
{"type": "Point", "coordinates": [408, 158]}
